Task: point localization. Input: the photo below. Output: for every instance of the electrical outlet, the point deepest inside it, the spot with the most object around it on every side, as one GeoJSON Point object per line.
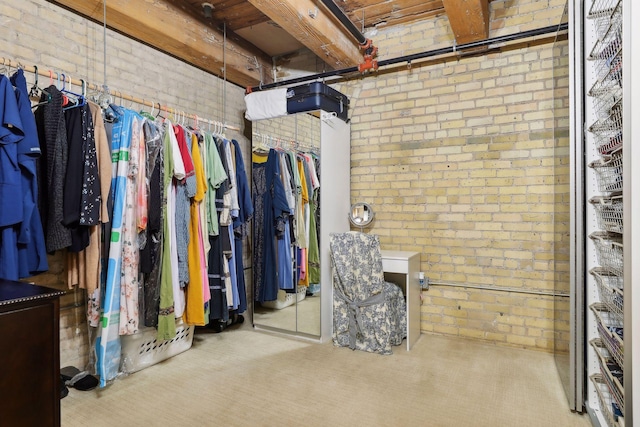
{"type": "Point", "coordinates": [424, 281]}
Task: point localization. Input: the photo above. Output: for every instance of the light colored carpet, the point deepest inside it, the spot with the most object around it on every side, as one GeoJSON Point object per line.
{"type": "Point", "coordinates": [242, 377]}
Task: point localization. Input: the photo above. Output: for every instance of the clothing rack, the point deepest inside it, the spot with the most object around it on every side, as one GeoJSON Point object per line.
{"type": "Point", "coordinates": [56, 77]}
{"type": "Point", "coordinates": [278, 142]}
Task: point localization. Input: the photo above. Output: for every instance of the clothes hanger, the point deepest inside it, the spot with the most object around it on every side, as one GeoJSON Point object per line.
{"type": "Point", "coordinates": [77, 99]}
{"type": "Point", "coordinates": [261, 146]}
{"type": "Point", "coordinates": [147, 115]}
{"type": "Point", "coordinates": [39, 93]}
{"type": "Point", "coordinates": [4, 70]}
{"type": "Point", "coordinates": [65, 98]}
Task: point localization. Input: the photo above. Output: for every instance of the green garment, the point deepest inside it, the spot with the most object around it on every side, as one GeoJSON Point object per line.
{"type": "Point", "coordinates": [166, 317]}
{"type": "Point", "coordinates": [216, 175]}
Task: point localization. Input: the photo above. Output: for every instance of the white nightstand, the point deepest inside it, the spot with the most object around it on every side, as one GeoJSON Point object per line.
{"type": "Point", "coordinates": [402, 268]}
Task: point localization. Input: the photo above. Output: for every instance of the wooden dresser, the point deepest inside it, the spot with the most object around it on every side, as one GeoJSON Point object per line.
{"type": "Point", "coordinates": [29, 355]}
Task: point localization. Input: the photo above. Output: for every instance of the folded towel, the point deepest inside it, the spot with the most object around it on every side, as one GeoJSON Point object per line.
{"type": "Point", "coordinates": [266, 104]}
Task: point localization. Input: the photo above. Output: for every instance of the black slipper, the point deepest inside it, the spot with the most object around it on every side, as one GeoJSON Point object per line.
{"type": "Point", "coordinates": [83, 381]}
{"type": "Point", "coordinates": [68, 372]}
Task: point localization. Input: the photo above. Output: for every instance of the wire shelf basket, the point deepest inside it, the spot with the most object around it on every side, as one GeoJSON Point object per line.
{"type": "Point", "coordinates": [609, 212]}
{"type": "Point", "coordinates": [608, 172]}
{"type": "Point", "coordinates": [611, 372]}
{"type": "Point", "coordinates": [608, 131]}
{"type": "Point", "coordinates": [606, 55]}
{"type": "Point", "coordinates": [605, 14]}
{"type": "Point", "coordinates": [611, 331]}
{"type": "Point", "coordinates": [610, 291]}
{"type": "Point", "coordinates": [608, 406]}
{"type": "Point", "coordinates": [609, 251]}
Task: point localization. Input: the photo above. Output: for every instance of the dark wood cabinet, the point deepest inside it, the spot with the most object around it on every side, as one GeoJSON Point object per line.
{"type": "Point", "coordinates": [29, 355]}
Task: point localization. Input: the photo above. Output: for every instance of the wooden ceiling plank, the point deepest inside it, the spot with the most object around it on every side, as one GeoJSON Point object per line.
{"type": "Point", "coordinates": [384, 14]}
{"type": "Point", "coordinates": [236, 14]}
{"type": "Point", "coordinates": [419, 15]}
{"type": "Point", "coordinates": [174, 31]}
{"type": "Point", "coordinates": [469, 19]}
{"type": "Point", "coordinates": [313, 27]}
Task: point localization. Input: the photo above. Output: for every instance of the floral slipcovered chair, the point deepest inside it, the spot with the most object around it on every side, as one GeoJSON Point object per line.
{"type": "Point", "coordinates": [368, 313]}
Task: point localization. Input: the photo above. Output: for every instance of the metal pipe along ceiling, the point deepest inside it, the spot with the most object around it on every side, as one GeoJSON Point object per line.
{"type": "Point", "coordinates": [344, 19]}
{"type": "Point", "coordinates": [408, 58]}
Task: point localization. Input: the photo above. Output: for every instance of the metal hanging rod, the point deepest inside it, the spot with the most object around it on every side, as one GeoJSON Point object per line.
{"type": "Point", "coordinates": [417, 56]}
{"type": "Point", "coordinates": [280, 142]}
{"type": "Point", "coordinates": [55, 76]}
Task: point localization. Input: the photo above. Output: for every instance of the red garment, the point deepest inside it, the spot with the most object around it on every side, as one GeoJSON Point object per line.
{"type": "Point", "coordinates": [189, 170]}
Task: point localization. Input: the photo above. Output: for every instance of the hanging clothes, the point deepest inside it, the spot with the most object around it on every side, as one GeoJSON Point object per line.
{"type": "Point", "coordinates": [166, 314]}
{"type": "Point", "coordinates": [314, 248]}
{"type": "Point", "coordinates": [194, 312]}
{"type": "Point", "coordinates": [294, 235]}
{"type": "Point", "coordinates": [240, 222]}
{"type": "Point", "coordinates": [135, 215]}
{"type": "Point", "coordinates": [233, 297]}
{"type": "Point", "coordinates": [258, 194]}
{"type": "Point", "coordinates": [178, 174]}
{"type": "Point", "coordinates": [218, 267]}
{"type": "Point", "coordinates": [84, 268]}
{"type": "Point", "coordinates": [203, 232]}
{"type": "Point", "coordinates": [275, 228]}
{"type": "Point", "coordinates": [81, 197]}
{"type": "Point", "coordinates": [52, 169]}
{"type": "Point", "coordinates": [108, 347]}
{"type": "Point", "coordinates": [32, 257]}
{"type": "Point", "coordinates": [185, 190]}
{"type": "Point", "coordinates": [151, 252]}
{"type": "Point", "coordinates": [302, 218]}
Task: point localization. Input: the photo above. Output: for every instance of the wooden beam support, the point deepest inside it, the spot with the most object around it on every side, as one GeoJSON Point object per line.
{"type": "Point", "coordinates": [170, 29]}
{"type": "Point", "coordinates": [469, 19]}
{"type": "Point", "coordinates": [315, 28]}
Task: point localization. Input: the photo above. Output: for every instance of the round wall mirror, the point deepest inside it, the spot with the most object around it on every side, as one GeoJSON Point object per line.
{"type": "Point", "coordinates": [361, 215]}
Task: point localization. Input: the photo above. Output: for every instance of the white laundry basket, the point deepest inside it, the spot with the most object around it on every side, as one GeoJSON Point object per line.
{"type": "Point", "coordinates": [143, 349]}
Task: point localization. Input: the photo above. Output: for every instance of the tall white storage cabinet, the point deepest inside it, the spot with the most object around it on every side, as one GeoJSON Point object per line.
{"type": "Point", "coordinates": [606, 170]}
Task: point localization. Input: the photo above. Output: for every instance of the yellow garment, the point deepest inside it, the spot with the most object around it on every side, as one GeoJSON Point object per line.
{"type": "Point", "coordinates": [194, 311]}
{"type": "Point", "coordinates": [301, 220]}
{"type": "Point", "coordinates": [258, 157]}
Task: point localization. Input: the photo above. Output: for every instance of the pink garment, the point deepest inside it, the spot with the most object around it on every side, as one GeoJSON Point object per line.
{"type": "Point", "coordinates": [303, 265]}
{"type": "Point", "coordinates": [203, 264]}
{"type": "Point", "coordinates": [142, 212]}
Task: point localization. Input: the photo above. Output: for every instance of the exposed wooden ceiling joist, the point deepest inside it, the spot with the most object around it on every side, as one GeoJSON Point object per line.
{"type": "Point", "coordinates": [372, 13]}
{"type": "Point", "coordinates": [174, 31]}
{"type": "Point", "coordinates": [236, 14]}
{"type": "Point", "coordinates": [469, 19]}
{"type": "Point", "coordinates": [314, 27]}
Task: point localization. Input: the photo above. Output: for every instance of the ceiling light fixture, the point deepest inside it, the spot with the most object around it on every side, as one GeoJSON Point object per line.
{"type": "Point", "coordinates": [208, 10]}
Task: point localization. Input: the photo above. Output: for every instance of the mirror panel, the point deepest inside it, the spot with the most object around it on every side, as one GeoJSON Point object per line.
{"type": "Point", "coordinates": [297, 309]}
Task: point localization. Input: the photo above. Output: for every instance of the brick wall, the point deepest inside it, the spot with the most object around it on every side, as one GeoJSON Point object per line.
{"type": "Point", "coordinates": [459, 159]}
{"type": "Point", "coordinates": [36, 32]}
